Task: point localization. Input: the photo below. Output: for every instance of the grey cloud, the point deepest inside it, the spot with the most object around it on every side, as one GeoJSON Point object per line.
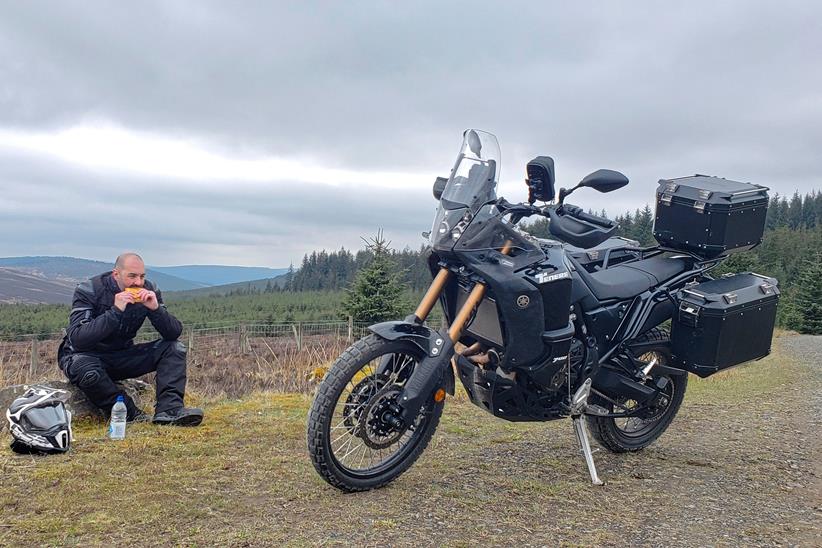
{"type": "Point", "coordinates": [653, 90]}
{"type": "Point", "coordinates": [65, 210]}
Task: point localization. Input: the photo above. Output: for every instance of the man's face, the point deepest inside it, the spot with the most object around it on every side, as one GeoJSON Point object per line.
{"type": "Point", "coordinates": [132, 274]}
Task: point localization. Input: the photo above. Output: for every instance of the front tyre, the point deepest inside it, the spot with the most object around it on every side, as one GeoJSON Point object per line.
{"type": "Point", "coordinates": [351, 445]}
{"type": "Point", "coordinates": [621, 435]}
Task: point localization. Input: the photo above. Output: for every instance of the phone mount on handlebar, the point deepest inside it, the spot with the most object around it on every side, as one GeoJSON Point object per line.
{"type": "Point", "coordinates": [540, 179]}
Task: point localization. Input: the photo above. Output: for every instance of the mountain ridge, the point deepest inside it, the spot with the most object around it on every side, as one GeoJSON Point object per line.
{"type": "Point", "coordinates": [42, 279]}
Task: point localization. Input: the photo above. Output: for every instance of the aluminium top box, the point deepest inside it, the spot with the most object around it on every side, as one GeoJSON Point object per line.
{"type": "Point", "coordinates": [709, 216]}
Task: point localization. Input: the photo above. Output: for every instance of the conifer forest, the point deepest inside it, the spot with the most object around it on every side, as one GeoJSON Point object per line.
{"type": "Point", "coordinates": [320, 287]}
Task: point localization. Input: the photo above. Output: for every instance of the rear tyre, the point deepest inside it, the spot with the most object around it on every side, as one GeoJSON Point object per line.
{"type": "Point", "coordinates": [621, 435]}
{"type": "Point", "coordinates": [349, 443]}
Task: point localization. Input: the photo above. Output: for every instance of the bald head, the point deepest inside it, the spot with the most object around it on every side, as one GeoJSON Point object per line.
{"type": "Point", "coordinates": [123, 257]}
{"type": "Point", "coordinates": [129, 271]}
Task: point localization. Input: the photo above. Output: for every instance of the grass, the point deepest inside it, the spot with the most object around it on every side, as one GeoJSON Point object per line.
{"type": "Point", "coordinates": [244, 478]}
{"type": "Point", "coordinates": [219, 365]}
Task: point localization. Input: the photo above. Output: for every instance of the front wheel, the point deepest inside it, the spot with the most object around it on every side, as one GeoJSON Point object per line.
{"type": "Point", "coordinates": [621, 435]}
{"type": "Point", "coordinates": [351, 444]}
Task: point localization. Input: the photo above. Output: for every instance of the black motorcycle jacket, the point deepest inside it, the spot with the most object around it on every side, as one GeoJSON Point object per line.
{"type": "Point", "coordinates": [96, 325]}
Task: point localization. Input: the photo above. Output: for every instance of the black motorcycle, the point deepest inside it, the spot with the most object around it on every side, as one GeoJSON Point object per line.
{"type": "Point", "coordinates": [542, 329]}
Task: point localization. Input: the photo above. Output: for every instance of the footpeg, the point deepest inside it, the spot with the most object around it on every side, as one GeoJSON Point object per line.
{"type": "Point", "coordinates": [594, 409]}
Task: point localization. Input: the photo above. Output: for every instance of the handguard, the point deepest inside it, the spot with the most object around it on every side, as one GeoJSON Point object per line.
{"type": "Point", "coordinates": [578, 229]}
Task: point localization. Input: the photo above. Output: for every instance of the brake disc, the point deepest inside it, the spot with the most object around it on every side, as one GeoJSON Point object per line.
{"type": "Point", "coordinates": [358, 400]}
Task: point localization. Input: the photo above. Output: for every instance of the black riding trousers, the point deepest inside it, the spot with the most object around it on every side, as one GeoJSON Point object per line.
{"type": "Point", "coordinates": [95, 372]}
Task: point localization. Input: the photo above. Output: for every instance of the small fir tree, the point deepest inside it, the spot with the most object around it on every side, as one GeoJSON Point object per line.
{"type": "Point", "coordinates": [805, 304]}
{"type": "Point", "coordinates": [376, 294]}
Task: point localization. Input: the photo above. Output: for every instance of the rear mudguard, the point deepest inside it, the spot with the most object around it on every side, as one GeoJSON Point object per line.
{"type": "Point", "coordinates": [433, 370]}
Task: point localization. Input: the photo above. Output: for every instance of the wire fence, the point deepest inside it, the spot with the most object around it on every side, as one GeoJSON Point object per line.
{"type": "Point", "coordinates": [228, 360]}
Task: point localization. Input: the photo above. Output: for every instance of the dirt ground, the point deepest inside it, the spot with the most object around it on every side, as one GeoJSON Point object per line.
{"type": "Point", "coordinates": [739, 466]}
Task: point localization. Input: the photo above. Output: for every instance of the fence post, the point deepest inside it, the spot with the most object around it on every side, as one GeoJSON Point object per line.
{"type": "Point", "coordinates": [243, 336]}
{"type": "Point", "coordinates": [35, 355]}
{"type": "Point", "coordinates": [298, 335]}
{"type": "Point", "coordinates": [350, 328]}
{"type": "Point", "coordinates": [190, 340]}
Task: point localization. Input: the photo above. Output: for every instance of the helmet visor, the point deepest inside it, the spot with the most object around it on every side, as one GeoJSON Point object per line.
{"type": "Point", "coordinates": [43, 419]}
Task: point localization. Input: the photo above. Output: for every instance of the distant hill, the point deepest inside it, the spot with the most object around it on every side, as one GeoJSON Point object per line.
{"type": "Point", "coordinates": [19, 287]}
{"type": "Point", "coordinates": [46, 279]}
{"type": "Point", "coordinates": [74, 270]}
{"type": "Point", "coordinates": [212, 275]}
{"type": "Point", "coordinates": [227, 289]}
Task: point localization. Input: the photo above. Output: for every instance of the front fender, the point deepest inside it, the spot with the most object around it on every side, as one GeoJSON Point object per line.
{"type": "Point", "coordinates": [418, 334]}
{"type": "Point", "coordinates": [421, 336]}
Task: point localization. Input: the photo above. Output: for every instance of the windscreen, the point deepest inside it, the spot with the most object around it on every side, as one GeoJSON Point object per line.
{"type": "Point", "coordinates": [472, 184]}
{"type": "Point", "coordinates": [473, 181]}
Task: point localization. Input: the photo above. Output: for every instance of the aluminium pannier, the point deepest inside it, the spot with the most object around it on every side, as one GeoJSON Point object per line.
{"type": "Point", "coordinates": [709, 216]}
{"type": "Point", "coordinates": [724, 322]}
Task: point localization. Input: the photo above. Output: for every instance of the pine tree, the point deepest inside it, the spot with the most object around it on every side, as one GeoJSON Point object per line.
{"type": "Point", "coordinates": [739, 262]}
{"type": "Point", "coordinates": [777, 212]}
{"type": "Point", "coordinates": [627, 225]}
{"type": "Point", "coordinates": [795, 212]}
{"type": "Point", "coordinates": [809, 210]}
{"type": "Point", "coordinates": [644, 228]}
{"type": "Point", "coordinates": [376, 294]}
{"type": "Point", "coordinates": [806, 303]}
{"type": "Point", "coordinates": [538, 229]}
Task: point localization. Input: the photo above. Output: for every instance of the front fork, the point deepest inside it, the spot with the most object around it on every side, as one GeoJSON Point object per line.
{"type": "Point", "coordinates": [429, 373]}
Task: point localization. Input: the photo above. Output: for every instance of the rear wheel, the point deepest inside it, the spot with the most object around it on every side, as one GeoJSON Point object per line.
{"type": "Point", "coordinates": [351, 443]}
{"type": "Point", "coordinates": [621, 435]}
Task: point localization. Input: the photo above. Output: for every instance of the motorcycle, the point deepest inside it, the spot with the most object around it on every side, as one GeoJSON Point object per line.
{"type": "Point", "coordinates": [544, 329]}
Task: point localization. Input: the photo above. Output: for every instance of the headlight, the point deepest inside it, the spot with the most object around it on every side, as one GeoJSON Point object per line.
{"type": "Point", "coordinates": [456, 233]}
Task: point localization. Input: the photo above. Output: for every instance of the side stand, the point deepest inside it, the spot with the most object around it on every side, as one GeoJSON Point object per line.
{"type": "Point", "coordinates": [579, 405]}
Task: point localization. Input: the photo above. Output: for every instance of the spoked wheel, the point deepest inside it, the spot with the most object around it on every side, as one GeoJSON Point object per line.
{"type": "Point", "coordinates": [634, 433]}
{"type": "Point", "coordinates": [352, 444]}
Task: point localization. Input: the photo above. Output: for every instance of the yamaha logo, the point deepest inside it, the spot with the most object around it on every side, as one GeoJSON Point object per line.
{"type": "Point", "coordinates": [522, 301]}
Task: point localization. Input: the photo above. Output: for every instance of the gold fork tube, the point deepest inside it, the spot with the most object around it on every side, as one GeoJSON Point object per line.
{"type": "Point", "coordinates": [431, 296]}
{"type": "Point", "coordinates": [474, 298]}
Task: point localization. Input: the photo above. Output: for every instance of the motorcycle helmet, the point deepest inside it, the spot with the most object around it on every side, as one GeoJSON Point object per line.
{"type": "Point", "coordinates": [39, 421]}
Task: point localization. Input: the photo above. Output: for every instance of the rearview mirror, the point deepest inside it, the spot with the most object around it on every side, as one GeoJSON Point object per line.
{"type": "Point", "coordinates": [439, 187]}
{"type": "Point", "coordinates": [604, 180]}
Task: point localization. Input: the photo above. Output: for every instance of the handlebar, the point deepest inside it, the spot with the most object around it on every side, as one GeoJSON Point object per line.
{"type": "Point", "coordinates": [577, 212]}
{"type": "Point", "coordinates": [518, 211]}
{"type": "Point", "coordinates": [568, 222]}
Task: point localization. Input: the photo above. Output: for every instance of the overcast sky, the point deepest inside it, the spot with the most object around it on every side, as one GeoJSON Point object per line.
{"type": "Point", "coordinates": [251, 133]}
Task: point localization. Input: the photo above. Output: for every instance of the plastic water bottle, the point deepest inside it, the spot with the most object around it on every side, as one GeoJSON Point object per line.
{"type": "Point", "coordinates": [117, 426]}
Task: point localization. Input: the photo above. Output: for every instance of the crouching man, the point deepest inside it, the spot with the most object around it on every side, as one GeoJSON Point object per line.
{"type": "Point", "coordinates": [98, 348]}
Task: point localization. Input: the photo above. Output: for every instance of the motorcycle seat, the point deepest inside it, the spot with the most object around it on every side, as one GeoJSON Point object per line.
{"type": "Point", "coordinates": [628, 280]}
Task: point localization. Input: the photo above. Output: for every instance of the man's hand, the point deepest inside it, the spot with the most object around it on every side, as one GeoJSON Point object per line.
{"type": "Point", "coordinates": [123, 299]}
{"type": "Point", "coordinates": [149, 299]}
